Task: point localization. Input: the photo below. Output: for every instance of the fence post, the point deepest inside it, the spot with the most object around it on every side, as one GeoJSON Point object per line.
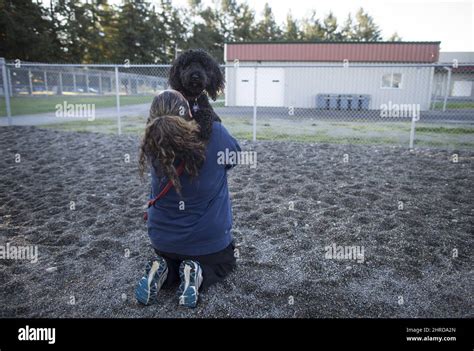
{"type": "Point", "coordinates": [254, 137]}
{"type": "Point", "coordinates": [448, 86]}
{"type": "Point", "coordinates": [9, 80]}
{"type": "Point", "coordinates": [30, 81]}
{"type": "Point", "coordinates": [87, 83]}
{"type": "Point", "coordinates": [117, 97]}
{"type": "Point", "coordinates": [6, 90]}
{"type": "Point", "coordinates": [414, 118]}
{"type": "Point", "coordinates": [100, 83]}
{"type": "Point", "coordinates": [45, 79]}
{"type": "Point", "coordinates": [60, 89]}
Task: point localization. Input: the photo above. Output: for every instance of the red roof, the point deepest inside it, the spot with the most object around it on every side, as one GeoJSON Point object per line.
{"type": "Point", "coordinates": [414, 52]}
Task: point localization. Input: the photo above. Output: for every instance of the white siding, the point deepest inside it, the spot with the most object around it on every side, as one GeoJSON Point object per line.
{"type": "Point", "coordinates": [449, 56]}
{"type": "Point", "coordinates": [303, 84]}
{"type": "Point", "coordinates": [440, 83]}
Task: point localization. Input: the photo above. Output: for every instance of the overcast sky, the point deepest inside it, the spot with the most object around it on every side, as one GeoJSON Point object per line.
{"type": "Point", "coordinates": [448, 21]}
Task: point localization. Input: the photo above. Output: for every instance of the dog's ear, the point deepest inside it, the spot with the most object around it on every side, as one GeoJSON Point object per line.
{"type": "Point", "coordinates": [174, 79]}
{"type": "Point", "coordinates": [216, 81]}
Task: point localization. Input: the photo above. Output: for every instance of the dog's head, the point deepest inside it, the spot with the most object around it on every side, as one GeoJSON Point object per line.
{"type": "Point", "coordinates": [195, 71]}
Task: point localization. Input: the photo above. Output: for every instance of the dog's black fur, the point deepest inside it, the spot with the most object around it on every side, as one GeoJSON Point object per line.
{"type": "Point", "coordinates": [198, 76]}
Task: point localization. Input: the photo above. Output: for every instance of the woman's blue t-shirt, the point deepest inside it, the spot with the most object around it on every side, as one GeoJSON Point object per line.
{"type": "Point", "coordinates": [199, 221]}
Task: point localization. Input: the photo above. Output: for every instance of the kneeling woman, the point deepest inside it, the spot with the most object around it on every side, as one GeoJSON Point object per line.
{"type": "Point", "coordinates": [190, 224]}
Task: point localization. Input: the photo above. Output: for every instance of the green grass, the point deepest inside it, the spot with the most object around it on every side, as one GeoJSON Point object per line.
{"type": "Point", "coordinates": [40, 104]}
{"type": "Point", "coordinates": [375, 127]}
{"type": "Point", "coordinates": [357, 133]}
{"type": "Point", "coordinates": [455, 105]}
{"type": "Point", "coordinates": [445, 130]}
{"type": "Point", "coordinates": [27, 105]}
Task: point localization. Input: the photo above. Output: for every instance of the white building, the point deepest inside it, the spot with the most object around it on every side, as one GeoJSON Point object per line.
{"type": "Point", "coordinates": [459, 76]}
{"type": "Point", "coordinates": [324, 74]}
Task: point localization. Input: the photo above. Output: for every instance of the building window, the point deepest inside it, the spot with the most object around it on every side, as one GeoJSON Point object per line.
{"type": "Point", "coordinates": [392, 81]}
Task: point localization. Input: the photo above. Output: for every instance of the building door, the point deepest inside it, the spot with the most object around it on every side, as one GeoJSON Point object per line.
{"type": "Point", "coordinates": [270, 86]}
{"type": "Point", "coordinates": [244, 86]}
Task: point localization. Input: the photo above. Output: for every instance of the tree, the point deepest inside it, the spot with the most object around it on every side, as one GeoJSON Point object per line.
{"type": "Point", "coordinates": [395, 37]}
{"type": "Point", "coordinates": [227, 20]}
{"type": "Point", "coordinates": [141, 34]}
{"type": "Point", "coordinates": [267, 28]}
{"type": "Point", "coordinates": [239, 21]}
{"type": "Point", "coordinates": [94, 31]}
{"type": "Point", "coordinates": [174, 29]}
{"type": "Point", "coordinates": [27, 32]}
{"type": "Point", "coordinates": [312, 28]}
{"type": "Point", "coordinates": [205, 30]}
{"type": "Point", "coordinates": [347, 32]}
{"type": "Point", "coordinates": [330, 27]}
{"type": "Point", "coordinates": [292, 31]}
{"type": "Point", "coordinates": [365, 28]}
{"type": "Point", "coordinates": [108, 32]}
{"type": "Point", "coordinates": [87, 32]}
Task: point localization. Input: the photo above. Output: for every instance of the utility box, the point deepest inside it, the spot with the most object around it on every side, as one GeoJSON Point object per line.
{"type": "Point", "coordinates": [334, 102]}
{"type": "Point", "coordinates": [362, 102]}
{"type": "Point", "coordinates": [322, 101]}
{"type": "Point", "coordinates": [346, 102]}
{"type": "Point", "coordinates": [342, 102]}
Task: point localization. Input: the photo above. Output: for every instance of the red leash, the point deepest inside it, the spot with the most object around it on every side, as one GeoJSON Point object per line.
{"type": "Point", "coordinates": [165, 190]}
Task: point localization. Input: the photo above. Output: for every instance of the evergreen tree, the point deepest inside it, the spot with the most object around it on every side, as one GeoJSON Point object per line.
{"type": "Point", "coordinates": [205, 30]}
{"type": "Point", "coordinates": [330, 27]}
{"type": "Point", "coordinates": [292, 31]}
{"type": "Point", "coordinates": [84, 30]}
{"type": "Point", "coordinates": [174, 29]}
{"type": "Point", "coordinates": [94, 31]}
{"type": "Point", "coordinates": [395, 37]}
{"type": "Point", "coordinates": [244, 23]}
{"type": "Point", "coordinates": [347, 31]}
{"type": "Point", "coordinates": [141, 34]}
{"type": "Point", "coordinates": [365, 28]}
{"type": "Point", "coordinates": [237, 21]}
{"type": "Point", "coordinates": [27, 32]}
{"type": "Point", "coordinates": [267, 28]}
{"type": "Point", "coordinates": [312, 28]}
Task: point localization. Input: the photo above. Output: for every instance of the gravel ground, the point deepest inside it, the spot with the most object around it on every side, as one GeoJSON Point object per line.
{"type": "Point", "coordinates": [417, 260]}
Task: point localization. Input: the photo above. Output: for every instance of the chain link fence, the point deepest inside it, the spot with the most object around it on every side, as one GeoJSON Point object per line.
{"type": "Point", "coordinates": [422, 105]}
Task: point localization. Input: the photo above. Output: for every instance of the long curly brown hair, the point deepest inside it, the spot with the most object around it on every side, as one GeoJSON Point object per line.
{"type": "Point", "coordinates": [171, 135]}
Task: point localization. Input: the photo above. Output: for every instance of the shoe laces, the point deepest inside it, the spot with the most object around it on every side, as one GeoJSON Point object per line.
{"type": "Point", "coordinates": [187, 276]}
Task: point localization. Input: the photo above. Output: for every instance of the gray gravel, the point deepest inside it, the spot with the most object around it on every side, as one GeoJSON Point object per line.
{"type": "Point", "coordinates": [408, 269]}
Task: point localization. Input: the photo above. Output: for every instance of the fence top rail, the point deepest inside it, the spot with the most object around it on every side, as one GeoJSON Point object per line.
{"type": "Point", "coordinates": [29, 64]}
{"type": "Point", "coordinates": [353, 65]}
{"type": "Point", "coordinates": [91, 73]}
{"type": "Point", "coordinates": [242, 64]}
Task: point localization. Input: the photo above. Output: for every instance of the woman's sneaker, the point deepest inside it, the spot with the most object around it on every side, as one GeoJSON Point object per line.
{"type": "Point", "coordinates": [190, 273]}
{"type": "Point", "coordinates": [156, 273]}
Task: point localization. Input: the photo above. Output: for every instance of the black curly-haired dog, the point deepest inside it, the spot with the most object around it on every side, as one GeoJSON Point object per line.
{"type": "Point", "coordinates": [197, 76]}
